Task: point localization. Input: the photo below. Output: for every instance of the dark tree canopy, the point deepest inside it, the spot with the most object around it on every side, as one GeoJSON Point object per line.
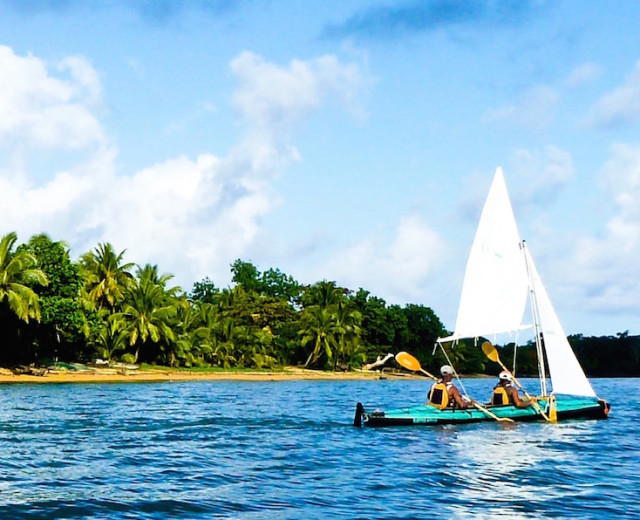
{"type": "Point", "coordinates": [204, 291]}
{"type": "Point", "coordinates": [52, 307]}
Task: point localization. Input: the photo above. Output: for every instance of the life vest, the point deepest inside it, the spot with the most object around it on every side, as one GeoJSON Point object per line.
{"type": "Point", "coordinates": [439, 395]}
{"type": "Point", "coordinates": [500, 395]}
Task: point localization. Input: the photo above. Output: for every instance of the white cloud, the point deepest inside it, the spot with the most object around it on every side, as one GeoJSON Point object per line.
{"type": "Point", "coordinates": [86, 84]}
{"type": "Point", "coordinates": [273, 97]}
{"type": "Point", "coordinates": [192, 217]}
{"type": "Point", "coordinates": [535, 179]}
{"type": "Point", "coordinates": [40, 110]}
{"type": "Point", "coordinates": [581, 75]}
{"type": "Point", "coordinates": [534, 108]}
{"type": "Point", "coordinates": [621, 106]}
{"type": "Point", "coordinates": [402, 269]}
{"type": "Point", "coordinates": [605, 268]}
{"type": "Point", "coordinates": [544, 174]}
{"type": "Point", "coordinates": [58, 206]}
{"type": "Point", "coordinates": [183, 125]}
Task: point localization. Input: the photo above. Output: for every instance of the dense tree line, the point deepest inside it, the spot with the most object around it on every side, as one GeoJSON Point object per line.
{"type": "Point", "coordinates": [602, 356]}
{"type": "Point", "coordinates": [102, 307]}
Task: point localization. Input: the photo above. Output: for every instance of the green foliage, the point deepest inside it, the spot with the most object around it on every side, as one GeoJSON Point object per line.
{"type": "Point", "coordinates": [51, 307]}
{"type": "Point", "coordinates": [330, 323]}
{"type": "Point", "coordinates": [109, 338]}
{"type": "Point", "coordinates": [60, 333]}
{"type": "Point", "coordinates": [608, 356]}
{"type": "Point", "coordinates": [271, 283]}
{"type": "Point", "coordinates": [18, 276]}
{"type": "Point", "coordinates": [319, 329]}
{"type": "Point", "coordinates": [281, 286]}
{"type": "Point", "coordinates": [147, 312]}
{"type": "Point", "coordinates": [106, 277]}
{"type": "Point", "coordinates": [204, 291]}
{"type": "Point", "coordinates": [246, 275]}
{"type": "Point", "coordinates": [466, 356]}
{"type": "Point", "coordinates": [413, 328]}
{"type": "Point", "coordinates": [378, 327]}
{"type": "Point", "coordinates": [423, 329]}
{"type": "Point", "coordinates": [53, 259]}
{"type": "Point", "coordinates": [526, 360]}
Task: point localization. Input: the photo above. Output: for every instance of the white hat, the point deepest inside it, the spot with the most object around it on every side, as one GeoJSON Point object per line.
{"type": "Point", "coordinates": [505, 376]}
{"type": "Point", "coordinates": [446, 370]}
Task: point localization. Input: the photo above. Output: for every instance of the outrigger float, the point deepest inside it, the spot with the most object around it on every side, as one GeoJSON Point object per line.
{"type": "Point", "coordinates": [500, 278]}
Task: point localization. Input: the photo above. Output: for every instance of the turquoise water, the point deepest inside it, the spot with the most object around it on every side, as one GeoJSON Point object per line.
{"type": "Point", "coordinates": [287, 450]}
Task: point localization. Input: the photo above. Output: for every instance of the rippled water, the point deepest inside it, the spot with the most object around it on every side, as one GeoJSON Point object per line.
{"type": "Point", "coordinates": [287, 450]}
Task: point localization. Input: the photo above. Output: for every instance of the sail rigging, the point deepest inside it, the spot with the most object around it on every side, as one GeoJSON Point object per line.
{"type": "Point", "coordinates": [500, 275]}
{"type": "Point", "coordinates": [567, 376]}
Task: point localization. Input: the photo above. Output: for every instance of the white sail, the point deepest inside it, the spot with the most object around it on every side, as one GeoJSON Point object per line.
{"type": "Point", "coordinates": [495, 287]}
{"type": "Point", "coordinates": [567, 376]}
{"type": "Point", "coordinates": [499, 276]}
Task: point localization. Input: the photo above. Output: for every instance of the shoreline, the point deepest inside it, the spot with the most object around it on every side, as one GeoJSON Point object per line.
{"type": "Point", "coordinates": [110, 375]}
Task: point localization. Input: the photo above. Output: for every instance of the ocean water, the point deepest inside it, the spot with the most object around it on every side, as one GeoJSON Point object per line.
{"type": "Point", "coordinates": [288, 450]}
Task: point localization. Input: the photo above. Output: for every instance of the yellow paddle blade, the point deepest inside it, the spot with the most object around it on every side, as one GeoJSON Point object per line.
{"type": "Point", "coordinates": [490, 351]}
{"type": "Point", "coordinates": [553, 410]}
{"type": "Point", "coordinates": [408, 361]}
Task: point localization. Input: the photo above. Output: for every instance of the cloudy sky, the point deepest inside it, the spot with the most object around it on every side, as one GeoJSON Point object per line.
{"type": "Point", "coordinates": [344, 140]}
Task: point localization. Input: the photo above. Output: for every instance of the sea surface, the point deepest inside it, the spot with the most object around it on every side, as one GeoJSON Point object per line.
{"type": "Point", "coordinates": [288, 450]}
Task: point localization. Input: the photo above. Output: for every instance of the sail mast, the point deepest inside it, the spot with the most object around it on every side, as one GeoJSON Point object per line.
{"type": "Point", "coordinates": [494, 296]}
{"type": "Point", "coordinates": [536, 323]}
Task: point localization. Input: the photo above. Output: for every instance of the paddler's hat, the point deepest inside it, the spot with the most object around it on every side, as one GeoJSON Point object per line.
{"type": "Point", "coordinates": [505, 376]}
{"type": "Point", "coordinates": [446, 370]}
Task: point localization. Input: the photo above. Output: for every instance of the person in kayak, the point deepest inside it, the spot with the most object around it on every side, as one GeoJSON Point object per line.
{"type": "Point", "coordinates": [505, 393]}
{"type": "Point", "coordinates": [444, 393]}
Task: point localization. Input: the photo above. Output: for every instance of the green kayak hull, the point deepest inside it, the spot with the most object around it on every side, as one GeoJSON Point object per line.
{"type": "Point", "coordinates": [568, 407]}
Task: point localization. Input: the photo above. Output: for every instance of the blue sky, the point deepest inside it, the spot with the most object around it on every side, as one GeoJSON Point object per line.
{"type": "Point", "coordinates": [345, 140]}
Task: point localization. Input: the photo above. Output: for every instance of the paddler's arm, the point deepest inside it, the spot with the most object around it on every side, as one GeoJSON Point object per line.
{"type": "Point", "coordinates": [455, 395]}
{"type": "Point", "coordinates": [519, 403]}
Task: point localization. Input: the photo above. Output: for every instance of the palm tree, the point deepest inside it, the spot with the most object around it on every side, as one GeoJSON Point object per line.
{"type": "Point", "coordinates": [147, 314]}
{"type": "Point", "coordinates": [149, 275]}
{"type": "Point", "coordinates": [323, 294]}
{"type": "Point", "coordinates": [193, 327]}
{"type": "Point", "coordinates": [110, 337]}
{"type": "Point", "coordinates": [225, 337]}
{"type": "Point", "coordinates": [348, 322]}
{"type": "Point", "coordinates": [319, 328]}
{"type": "Point", "coordinates": [106, 276]}
{"type": "Point", "coordinates": [17, 272]}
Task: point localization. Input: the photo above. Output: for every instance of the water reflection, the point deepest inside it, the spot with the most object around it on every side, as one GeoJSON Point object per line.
{"type": "Point", "coordinates": [288, 451]}
{"type": "Point", "coordinates": [516, 469]}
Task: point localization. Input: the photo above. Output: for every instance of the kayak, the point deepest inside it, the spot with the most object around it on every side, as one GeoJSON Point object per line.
{"type": "Point", "coordinates": [568, 407]}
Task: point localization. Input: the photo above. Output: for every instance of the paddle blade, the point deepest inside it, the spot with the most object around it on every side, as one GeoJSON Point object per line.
{"type": "Point", "coordinates": [408, 361]}
{"type": "Point", "coordinates": [490, 351]}
{"type": "Point", "coordinates": [553, 409]}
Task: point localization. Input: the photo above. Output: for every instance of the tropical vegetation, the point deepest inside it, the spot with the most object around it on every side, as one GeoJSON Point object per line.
{"type": "Point", "coordinates": [103, 307]}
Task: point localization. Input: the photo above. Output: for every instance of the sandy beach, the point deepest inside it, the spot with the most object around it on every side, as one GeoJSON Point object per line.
{"type": "Point", "coordinates": [111, 375]}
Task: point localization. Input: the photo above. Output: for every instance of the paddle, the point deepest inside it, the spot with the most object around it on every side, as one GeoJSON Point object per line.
{"type": "Point", "coordinates": [553, 410]}
{"type": "Point", "coordinates": [491, 352]}
{"type": "Point", "coordinates": [411, 363]}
